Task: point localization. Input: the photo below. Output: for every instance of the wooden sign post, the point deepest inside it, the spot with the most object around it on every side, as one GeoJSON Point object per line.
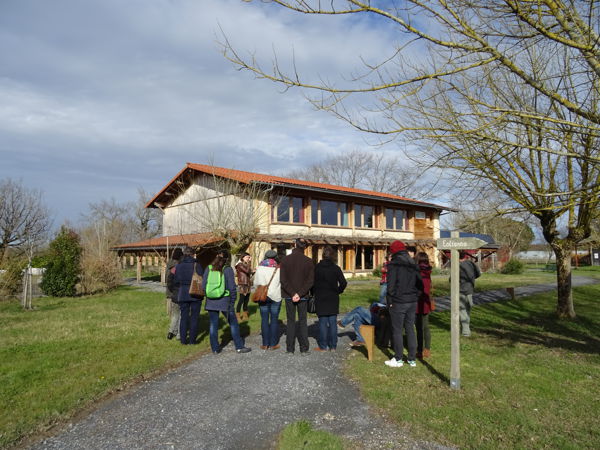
{"type": "Point", "coordinates": [454, 244]}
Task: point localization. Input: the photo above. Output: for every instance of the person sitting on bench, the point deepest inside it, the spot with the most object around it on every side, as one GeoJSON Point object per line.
{"type": "Point", "coordinates": [361, 316]}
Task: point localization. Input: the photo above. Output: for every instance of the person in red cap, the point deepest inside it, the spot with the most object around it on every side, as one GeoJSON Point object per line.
{"type": "Point", "coordinates": [404, 287]}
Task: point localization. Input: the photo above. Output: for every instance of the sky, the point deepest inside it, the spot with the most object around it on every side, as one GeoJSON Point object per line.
{"type": "Point", "coordinates": [100, 97]}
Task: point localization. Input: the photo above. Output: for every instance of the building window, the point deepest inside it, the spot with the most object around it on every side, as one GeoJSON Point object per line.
{"type": "Point", "coordinates": [364, 257]}
{"type": "Point", "coordinates": [289, 209]}
{"type": "Point", "coordinates": [331, 213]}
{"type": "Point", "coordinates": [395, 219]}
{"type": "Point", "coordinates": [420, 215]}
{"type": "Point", "coordinates": [364, 216]}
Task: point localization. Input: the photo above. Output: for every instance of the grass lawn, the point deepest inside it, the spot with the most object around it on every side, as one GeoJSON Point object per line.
{"type": "Point", "coordinates": [70, 352]}
{"type": "Point", "coordinates": [302, 435]}
{"type": "Point", "coordinates": [528, 380]}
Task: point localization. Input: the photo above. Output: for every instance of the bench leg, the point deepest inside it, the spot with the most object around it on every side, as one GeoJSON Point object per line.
{"type": "Point", "coordinates": [368, 334]}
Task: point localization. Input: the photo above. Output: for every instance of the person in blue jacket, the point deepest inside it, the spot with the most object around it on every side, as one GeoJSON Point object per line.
{"type": "Point", "coordinates": [189, 306]}
{"type": "Point", "coordinates": [224, 302]}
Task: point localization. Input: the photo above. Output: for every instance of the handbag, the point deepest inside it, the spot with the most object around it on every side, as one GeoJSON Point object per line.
{"type": "Point", "coordinates": [196, 290]}
{"type": "Point", "coordinates": [262, 290]}
{"type": "Point", "coordinates": [311, 305]}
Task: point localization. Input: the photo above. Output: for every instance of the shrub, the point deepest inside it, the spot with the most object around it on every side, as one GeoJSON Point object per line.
{"type": "Point", "coordinates": [377, 271]}
{"type": "Point", "coordinates": [11, 281]}
{"type": "Point", "coordinates": [513, 267]}
{"type": "Point", "coordinates": [63, 268]}
{"type": "Point", "coordinates": [99, 274]}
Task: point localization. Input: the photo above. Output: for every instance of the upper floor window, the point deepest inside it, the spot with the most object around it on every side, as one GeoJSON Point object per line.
{"type": "Point", "coordinates": [327, 212]}
{"type": "Point", "coordinates": [395, 219]}
{"type": "Point", "coordinates": [364, 216]}
{"type": "Point", "coordinates": [420, 215]}
{"type": "Point", "coordinates": [289, 209]}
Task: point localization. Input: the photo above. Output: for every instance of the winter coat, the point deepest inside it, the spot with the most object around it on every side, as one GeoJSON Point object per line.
{"type": "Point", "coordinates": [171, 290]}
{"type": "Point", "coordinates": [243, 273]}
{"type": "Point", "coordinates": [468, 272]}
{"type": "Point", "coordinates": [225, 303]}
{"type": "Point", "coordinates": [424, 303]}
{"type": "Point", "coordinates": [297, 274]}
{"type": "Point", "coordinates": [183, 278]}
{"type": "Point", "coordinates": [404, 283]}
{"type": "Point", "coordinates": [263, 275]}
{"type": "Point", "coordinates": [329, 284]}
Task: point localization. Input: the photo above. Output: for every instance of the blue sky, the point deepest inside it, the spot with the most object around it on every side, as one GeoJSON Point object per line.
{"type": "Point", "coordinates": [98, 97]}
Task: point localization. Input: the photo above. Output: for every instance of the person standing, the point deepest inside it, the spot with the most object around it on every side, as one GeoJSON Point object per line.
{"type": "Point", "coordinates": [172, 293]}
{"type": "Point", "coordinates": [267, 272]}
{"type": "Point", "coordinates": [469, 271]}
{"type": "Point", "coordinates": [424, 306]}
{"type": "Point", "coordinates": [329, 283]}
{"type": "Point", "coordinates": [188, 305]}
{"type": "Point", "coordinates": [243, 273]}
{"type": "Point", "coordinates": [383, 282]}
{"type": "Point", "coordinates": [220, 290]}
{"type": "Point", "coordinates": [297, 273]}
{"type": "Point", "coordinates": [404, 286]}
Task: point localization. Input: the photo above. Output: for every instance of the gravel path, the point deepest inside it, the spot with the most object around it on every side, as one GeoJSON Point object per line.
{"type": "Point", "coordinates": [235, 401]}
{"type": "Point", "coordinates": [232, 401]}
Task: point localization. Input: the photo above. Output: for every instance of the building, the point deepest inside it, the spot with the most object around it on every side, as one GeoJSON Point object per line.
{"type": "Point", "coordinates": [203, 202]}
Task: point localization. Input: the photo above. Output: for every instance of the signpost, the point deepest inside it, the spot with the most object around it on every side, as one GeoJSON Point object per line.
{"type": "Point", "coordinates": [454, 244]}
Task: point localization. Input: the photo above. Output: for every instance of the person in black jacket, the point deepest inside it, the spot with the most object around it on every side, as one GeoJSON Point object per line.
{"type": "Point", "coordinates": [328, 285]}
{"type": "Point", "coordinates": [404, 287]}
{"type": "Point", "coordinates": [172, 293]}
{"type": "Point", "coordinates": [296, 273]}
{"type": "Point", "coordinates": [190, 306]}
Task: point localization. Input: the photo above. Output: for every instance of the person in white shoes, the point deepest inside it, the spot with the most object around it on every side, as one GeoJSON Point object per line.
{"type": "Point", "coordinates": [403, 290]}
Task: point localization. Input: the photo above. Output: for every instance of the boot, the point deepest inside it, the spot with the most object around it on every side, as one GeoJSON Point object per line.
{"type": "Point", "coordinates": [238, 316]}
{"type": "Point", "coordinates": [426, 353]}
{"type": "Point", "coordinates": [246, 317]}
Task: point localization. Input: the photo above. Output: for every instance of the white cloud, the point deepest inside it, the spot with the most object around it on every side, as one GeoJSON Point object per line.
{"type": "Point", "coordinates": [101, 96]}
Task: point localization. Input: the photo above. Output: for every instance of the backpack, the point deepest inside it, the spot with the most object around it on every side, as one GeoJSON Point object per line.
{"type": "Point", "coordinates": [215, 284]}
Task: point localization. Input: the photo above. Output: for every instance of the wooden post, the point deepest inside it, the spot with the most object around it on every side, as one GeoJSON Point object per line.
{"type": "Point", "coordinates": [511, 292]}
{"type": "Point", "coordinates": [138, 274]}
{"type": "Point", "coordinates": [454, 317]}
{"type": "Point", "coordinates": [368, 334]}
{"type": "Point", "coordinates": [163, 270]}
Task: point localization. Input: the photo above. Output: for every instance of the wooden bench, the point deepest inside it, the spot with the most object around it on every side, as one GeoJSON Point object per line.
{"type": "Point", "coordinates": [368, 334]}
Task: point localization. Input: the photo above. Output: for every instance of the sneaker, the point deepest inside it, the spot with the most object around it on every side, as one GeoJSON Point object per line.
{"type": "Point", "coordinates": [275, 347]}
{"type": "Point", "coordinates": [319, 349]}
{"type": "Point", "coordinates": [356, 344]}
{"type": "Point", "coordinates": [412, 363]}
{"type": "Point", "coordinates": [264, 347]}
{"type": "Point", "coordinates": [244, 350]}
{"type": "Point", "coordinates": [394, 363]}
{"type": "Point", "coordinates": [339, 324]}
{"type": "Point", "coordinates": [170, 335]}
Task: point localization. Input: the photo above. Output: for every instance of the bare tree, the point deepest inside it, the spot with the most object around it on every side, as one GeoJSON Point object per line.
{"type": "Point", "coordinates": [147, 222]}
{"type": "Point", "coordinates": [506, 95]}
{"type": "Point", "coordinates": [230, 210]}
{"type": "Point", "coordinates": [24, 219]}
{"type": "Point", "coordinates": [366, 170]}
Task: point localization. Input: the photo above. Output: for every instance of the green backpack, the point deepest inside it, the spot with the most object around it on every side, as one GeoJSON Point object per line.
{"type": "Point", "coordinates": [215, 284]}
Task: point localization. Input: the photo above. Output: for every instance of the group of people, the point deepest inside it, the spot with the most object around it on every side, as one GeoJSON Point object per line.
{"type": "Point", "coordinates": [405, 298]}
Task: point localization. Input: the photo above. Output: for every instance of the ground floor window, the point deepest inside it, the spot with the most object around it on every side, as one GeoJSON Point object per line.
{"type": "Point", "coordinates": [364, 257]}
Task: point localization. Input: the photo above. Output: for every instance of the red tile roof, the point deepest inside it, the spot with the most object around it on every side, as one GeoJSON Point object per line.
{"type": "Point", "coordinates": [193, 240]}
{"type": "Point", "coordinates": [249, 177]}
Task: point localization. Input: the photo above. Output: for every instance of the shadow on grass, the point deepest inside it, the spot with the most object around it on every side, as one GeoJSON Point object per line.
{"type": "Point", "coordinates": [443, 378]}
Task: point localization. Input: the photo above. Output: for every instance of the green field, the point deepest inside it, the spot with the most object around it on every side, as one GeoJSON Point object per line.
{"type": "Point", "coordinates": [528, 379]}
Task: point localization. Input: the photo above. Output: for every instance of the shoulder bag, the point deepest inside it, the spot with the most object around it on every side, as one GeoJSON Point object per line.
{"type": "Point", "coordinates": [196, 290]}
{"type": "Point", "coordinates": [262, 290]}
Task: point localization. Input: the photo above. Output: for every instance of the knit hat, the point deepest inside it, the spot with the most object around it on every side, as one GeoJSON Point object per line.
{"type": "Point", "coordinates": [270, 254]}
{"type": "Point", "coordinates": [397, 246]}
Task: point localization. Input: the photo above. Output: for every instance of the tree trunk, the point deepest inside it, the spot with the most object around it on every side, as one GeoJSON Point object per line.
{"type": "Point", "coordinates": [564, 308]}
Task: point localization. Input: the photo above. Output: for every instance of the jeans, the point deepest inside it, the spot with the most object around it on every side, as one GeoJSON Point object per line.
{"type": "Point", "coordinates": [190, 312]}
{"type": "Point", "coordinates": [269, 325]}
{"type": "Point", "coordinates": [466, 301]}
{"type": "Point", "coordinates": [403, 317]}
{"type": "Point", "coordinates": [300, 325]}
{"type": "Point", "coordinates": [382, 293]}
{"type": "Point", "coordinates": [358, 316]}
{"type": "Point", "coordinates": [423, 333]}
{"type": "Point", "coordinates": [213, 316]}
{"type": "Point", "coordinates": [243, 302]}
{"type": "Point", "coordinates": [328, 332]}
